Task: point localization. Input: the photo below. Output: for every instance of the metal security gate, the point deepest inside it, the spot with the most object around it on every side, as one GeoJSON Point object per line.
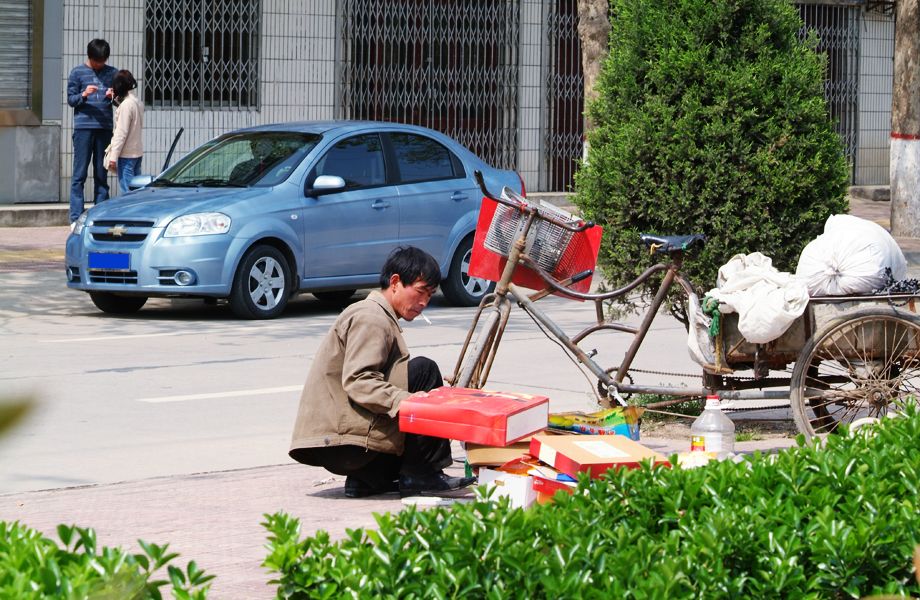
{"type": "Point", "coordinates": [15, 54]}
{"type": "Point", "coordinates": [451, 65]}
{"type": "Point", "coordinates": [564, 138]}
{"type": "Point", "coordinates": [837, 28]}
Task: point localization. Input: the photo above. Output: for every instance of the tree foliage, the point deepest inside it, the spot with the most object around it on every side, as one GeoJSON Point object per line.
{"type": "Point", "coordinates": [710, 119]}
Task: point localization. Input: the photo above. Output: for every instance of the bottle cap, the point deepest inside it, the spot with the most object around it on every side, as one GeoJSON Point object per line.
{"type": "Point", "coordinates": [712, 401]}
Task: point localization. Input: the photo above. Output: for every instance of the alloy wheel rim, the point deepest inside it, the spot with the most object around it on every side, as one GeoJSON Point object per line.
{"type": "Point", "coordinates": [474, 286]}
{"type": "Point", "coordinates": [266, 283]}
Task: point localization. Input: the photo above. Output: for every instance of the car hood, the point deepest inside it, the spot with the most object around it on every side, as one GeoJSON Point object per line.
{"type": "Point", "coordinates": [164, 204]}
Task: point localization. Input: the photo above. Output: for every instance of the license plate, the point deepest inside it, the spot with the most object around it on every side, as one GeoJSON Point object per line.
{"type": "Point", "coordinates": [109, 260]}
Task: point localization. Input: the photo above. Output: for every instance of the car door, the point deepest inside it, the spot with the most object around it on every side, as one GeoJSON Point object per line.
{"type": "Point", "coordinates": [349, 234]}
{"type": "Point", "coordinates": [434, 192]}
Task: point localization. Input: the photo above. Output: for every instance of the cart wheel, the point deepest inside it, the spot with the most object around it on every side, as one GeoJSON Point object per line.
{"type": "Point", "coordinates": [863, 365]}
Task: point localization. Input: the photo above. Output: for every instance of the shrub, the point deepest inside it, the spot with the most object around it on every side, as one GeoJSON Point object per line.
{"type": "Point", "coordinates": [832, 521]}
{"type": "Point", "coordinates": [33, 567]}
{"type": "Point", "coordinates": [710, 119]}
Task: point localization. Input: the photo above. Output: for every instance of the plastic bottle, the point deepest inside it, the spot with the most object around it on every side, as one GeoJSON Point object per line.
{"type": "Point", "coordinates": [712, 431]}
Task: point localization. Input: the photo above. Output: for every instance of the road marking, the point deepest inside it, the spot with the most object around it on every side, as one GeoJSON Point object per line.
{"type": "Point", "coordinates": [233, 394]}
{"type": "Point", "coordinates": [150, 335]}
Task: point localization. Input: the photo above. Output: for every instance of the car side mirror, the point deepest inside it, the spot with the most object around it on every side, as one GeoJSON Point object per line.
{"type": "Point", "coordinates": [139, 181]}
{"type": "Point", "coordinates": [326, 184]}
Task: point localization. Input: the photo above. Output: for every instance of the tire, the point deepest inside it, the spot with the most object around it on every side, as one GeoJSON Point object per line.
{"type": "Point", "coordinates": [117, 305]}
{"type": "Point", "coordinates": [334, 298]}
{"type": "Point", "coordinates": [459, 288]}
{"type": "Point", "coordinates": [262, 284]}
{"type": "Point", "coordinates": [862, 366]}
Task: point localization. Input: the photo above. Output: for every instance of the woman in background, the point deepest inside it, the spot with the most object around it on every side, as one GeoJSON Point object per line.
{"type": "Point", "coordinates": [127, 147]}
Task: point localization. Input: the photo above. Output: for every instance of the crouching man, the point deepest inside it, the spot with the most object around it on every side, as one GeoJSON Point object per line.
{"type": "Point", "coordinates": [348, 420]}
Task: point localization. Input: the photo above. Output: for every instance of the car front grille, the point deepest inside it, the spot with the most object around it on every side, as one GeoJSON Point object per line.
{"type": "Point", "coordinates": [120, 231]}
{"type": "Point", "coordinates": [112, 276]}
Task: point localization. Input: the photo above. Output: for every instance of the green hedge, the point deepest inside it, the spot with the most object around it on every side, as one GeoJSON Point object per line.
{"type": "Point", "coordinates": [33, 567]}
{"type": "Point", "coordinates": [836, 521]}
{"type": "Point", "coordinates": [710, 118]}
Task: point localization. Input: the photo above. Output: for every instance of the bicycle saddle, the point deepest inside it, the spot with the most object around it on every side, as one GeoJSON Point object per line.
{"type": "Point", "coordinates": [672, 243]}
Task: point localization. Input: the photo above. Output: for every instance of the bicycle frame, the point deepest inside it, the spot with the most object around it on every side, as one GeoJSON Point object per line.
{"type": "Point", "coordinates": [475, 363]}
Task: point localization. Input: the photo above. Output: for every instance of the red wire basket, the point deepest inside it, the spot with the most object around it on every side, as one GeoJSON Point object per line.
{"type": "Point", "coordinates": [558, 251]}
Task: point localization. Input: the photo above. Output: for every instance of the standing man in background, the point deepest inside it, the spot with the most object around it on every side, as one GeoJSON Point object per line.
{"type": "Point", "coordinates": [89, 92]}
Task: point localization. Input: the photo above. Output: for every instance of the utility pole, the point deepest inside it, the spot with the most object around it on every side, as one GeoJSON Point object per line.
{"type": "Point", "coordinates": [593, 33]}
{"type": "Point", "coordinates": [904, 167]}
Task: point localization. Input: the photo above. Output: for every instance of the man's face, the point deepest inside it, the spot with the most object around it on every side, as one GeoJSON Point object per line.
{"type": "Point", "coordinates": [95, 65]}
{"type": "Point", "coordinates": [410, 300]}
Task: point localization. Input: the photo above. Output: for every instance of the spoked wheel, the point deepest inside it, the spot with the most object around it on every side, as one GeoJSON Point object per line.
{"type": "Point", "coordinates": [261, 288]}
{"type": "Point", "coordinates": [863, 366]}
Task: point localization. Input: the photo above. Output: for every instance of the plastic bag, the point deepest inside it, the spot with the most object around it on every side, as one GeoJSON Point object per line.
{"type": "Point", "coordinates": [850, 257]}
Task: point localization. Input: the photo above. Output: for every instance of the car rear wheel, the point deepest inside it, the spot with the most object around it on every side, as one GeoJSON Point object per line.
{"type": "Point", "coordinates": [334, 298]}
{"type": "Point", "coordinates": [117, 305]}
{"type": "Point", "coordinates": [261, 286]}
{"type": "Point", "coordinates": [459, 288]}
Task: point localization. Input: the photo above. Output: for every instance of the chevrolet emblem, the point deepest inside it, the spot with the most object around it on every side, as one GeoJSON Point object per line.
{"type": "Point", "coordinates": [118, 230]}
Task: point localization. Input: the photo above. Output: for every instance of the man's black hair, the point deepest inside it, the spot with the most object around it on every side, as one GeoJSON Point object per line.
{"type": "Point", "coordinates": [98, 50]}
{"type": "Point", "coordinates": [122, 83]}
{"type": "Point", "coordinates": [411, 264]}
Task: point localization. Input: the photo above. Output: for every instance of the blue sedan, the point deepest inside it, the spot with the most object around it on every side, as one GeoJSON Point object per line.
{"type": "Point", "coordinates": [259, 214]}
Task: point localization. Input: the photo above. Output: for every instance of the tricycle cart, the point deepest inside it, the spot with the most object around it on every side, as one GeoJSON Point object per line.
{"type": "Point", "coordinates": [853, 358]}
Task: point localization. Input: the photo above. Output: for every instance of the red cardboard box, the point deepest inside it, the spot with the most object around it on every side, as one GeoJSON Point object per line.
{"type": "Point", "coordinates": [594, 454]}
{"type": "Point", "coordinates": [470, 415]}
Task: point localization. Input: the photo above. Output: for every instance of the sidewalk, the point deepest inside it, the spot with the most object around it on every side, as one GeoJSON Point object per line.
{"type": "Point", "coordinates": [214, 518]}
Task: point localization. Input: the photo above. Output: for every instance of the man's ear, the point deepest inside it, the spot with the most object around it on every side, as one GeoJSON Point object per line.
{"type": "Point", "coordinates": [394, 279]}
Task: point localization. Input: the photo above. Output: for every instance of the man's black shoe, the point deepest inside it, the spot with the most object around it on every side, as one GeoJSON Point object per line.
{"type": "Point", "coordinates": [431, 484]}
{"type": "Point", "coordinates": [356, 488]}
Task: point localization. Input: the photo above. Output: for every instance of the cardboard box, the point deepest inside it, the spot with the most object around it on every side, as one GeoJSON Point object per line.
{"type": "Point", "coordinates": [470, 415]}
{"type": "Point", "coordinates": [592, 454]}
{"type": "Point", "coordinates": [519, 488]}
{"type": "Point", "coordinates": [546, 488]}
{"type": "Point", "coordinates": [479, 455]}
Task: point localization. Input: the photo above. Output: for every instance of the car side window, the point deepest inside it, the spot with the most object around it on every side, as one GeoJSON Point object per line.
{"type": "Point", "coordinates": [358, 160]}
{"type": "Point", "coordinates": [422, 159]}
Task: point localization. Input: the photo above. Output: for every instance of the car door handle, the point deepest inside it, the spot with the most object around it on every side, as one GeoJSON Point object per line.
{"type": "Point", "coordinates": [458, 196]}
{"type": "Point", "coordinates": [380, 204]}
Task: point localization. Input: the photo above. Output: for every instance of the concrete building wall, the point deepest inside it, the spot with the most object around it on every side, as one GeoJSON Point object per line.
{"type": "Point", "coordinates": [876, 60]}
{"type": "Point", "coordinates": [297, 66]}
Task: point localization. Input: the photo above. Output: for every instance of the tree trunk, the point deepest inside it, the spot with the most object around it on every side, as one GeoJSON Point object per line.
{"type": "Point", "coordinates": [905, 122]}
{"type": "Point", "coordinates": [593, 33]}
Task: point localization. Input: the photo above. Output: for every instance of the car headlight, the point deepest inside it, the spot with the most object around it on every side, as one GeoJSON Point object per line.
{"type": "Point", "coordinates": [79, 224]}
{"type": "Point", "coordinates": [212, 223]}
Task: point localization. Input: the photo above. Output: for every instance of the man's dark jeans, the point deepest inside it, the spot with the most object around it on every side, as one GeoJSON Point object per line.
{"type": "Point", "coordinates": [88, 144]}
{"type": "Point", "coordinates": [422, 456]}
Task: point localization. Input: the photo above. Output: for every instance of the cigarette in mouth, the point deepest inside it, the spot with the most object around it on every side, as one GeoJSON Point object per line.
{"type": "Point", "coordinates": [426, 318]}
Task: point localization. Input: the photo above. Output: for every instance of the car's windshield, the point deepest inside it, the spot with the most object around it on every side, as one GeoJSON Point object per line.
{"type": "Point", "coordinates": [258, 158]}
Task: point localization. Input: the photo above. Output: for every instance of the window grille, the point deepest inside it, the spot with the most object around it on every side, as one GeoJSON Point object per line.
{"type": "Point", "coordinates": [444, 64]}
{"type": "Point", "coordinates": [202, 54]}
{"type": "Point", "coordinates": [565, 96]}
{"type": "Point", "coordinates": [837, 28]}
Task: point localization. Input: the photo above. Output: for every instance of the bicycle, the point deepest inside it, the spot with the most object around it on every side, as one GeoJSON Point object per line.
{"type": "Point", "coordinates": [473, 365]}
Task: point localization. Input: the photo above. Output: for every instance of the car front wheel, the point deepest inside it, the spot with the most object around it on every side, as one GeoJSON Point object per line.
{"type": "Point", "coordinates": [459, 288]}
{"type": "Point", "coordinates": [261, 286]}
{"type": "Point", "coordinates": [117, 305]}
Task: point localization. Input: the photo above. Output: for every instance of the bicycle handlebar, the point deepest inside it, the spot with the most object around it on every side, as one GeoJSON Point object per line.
{"type": "Point", "coordinates": [518, 202]}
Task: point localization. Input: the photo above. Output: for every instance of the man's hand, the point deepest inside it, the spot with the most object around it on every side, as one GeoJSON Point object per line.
{"type": "Point", "coordinates": [90, 89]}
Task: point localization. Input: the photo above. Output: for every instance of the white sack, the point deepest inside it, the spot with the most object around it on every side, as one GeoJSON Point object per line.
{"type": "Point", "coordinates": [700, 345]}
{"type": "Point", "coordinates": [767, 301]}
{"type": "Point", "coordinates": [850, 258]}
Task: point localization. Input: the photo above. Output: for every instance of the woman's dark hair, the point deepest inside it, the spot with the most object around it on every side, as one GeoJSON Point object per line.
{"type": "Point", "coordinates": [98, 50]}
{"type": "Point", "coordinates": [411, 264]}
{"type": "Point", "coordinates": [122, 83]}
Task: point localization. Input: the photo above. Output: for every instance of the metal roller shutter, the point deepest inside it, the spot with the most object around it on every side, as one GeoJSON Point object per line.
{"type": "Point", "coordinates": [15, 54]}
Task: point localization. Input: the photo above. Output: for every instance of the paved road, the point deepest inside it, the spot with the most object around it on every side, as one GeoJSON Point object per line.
{"type": "Point", "coordinates": [183, 388]}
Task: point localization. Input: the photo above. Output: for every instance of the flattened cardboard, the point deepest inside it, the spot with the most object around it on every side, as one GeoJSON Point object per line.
{"type": "Point", "coordinates": [594, 454]}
